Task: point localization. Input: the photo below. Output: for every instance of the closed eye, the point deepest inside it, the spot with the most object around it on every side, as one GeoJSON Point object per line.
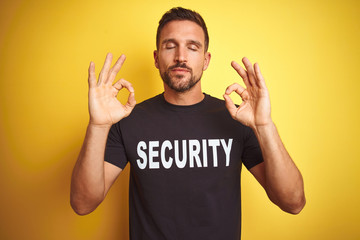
{"type": "Point", "coordinates": [194, 45]}
{"type": "Point", "coordinates": [169, 45]}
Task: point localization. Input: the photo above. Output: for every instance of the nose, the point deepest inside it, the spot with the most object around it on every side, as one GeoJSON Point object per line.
{"type": "Point", "coordinates": [181, 54]}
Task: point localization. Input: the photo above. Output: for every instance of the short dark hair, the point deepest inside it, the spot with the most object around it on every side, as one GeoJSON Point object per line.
{"type": "Point", "coordinates": [180, 13]}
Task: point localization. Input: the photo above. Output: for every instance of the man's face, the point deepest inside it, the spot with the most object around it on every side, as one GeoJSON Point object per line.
{"type": "Point", "coordinates": [181, 58]}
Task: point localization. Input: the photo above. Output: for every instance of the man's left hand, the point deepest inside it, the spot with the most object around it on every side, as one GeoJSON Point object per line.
{"type": "Point", "coordinates": [255, 110]}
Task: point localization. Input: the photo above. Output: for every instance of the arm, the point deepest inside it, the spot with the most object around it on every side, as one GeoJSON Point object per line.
{"type": "Point", "coordinates": [278, 173]}
{"type": "Point", "coordinates": [92, 177]}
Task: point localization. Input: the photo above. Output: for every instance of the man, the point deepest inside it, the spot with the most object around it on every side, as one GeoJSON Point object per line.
{"type": "Point", "coordinates": [185, 147]}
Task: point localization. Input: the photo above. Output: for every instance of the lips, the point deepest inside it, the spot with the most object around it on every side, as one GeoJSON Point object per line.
{"type": "Point", "coordinates": [180, 70]}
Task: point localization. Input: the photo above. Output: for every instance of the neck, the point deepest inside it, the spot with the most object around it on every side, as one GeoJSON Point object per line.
{"type": "Point", "coordinates": [191, 97]}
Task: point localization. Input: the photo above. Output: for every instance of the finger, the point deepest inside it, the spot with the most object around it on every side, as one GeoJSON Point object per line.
{"type": "Point", "coordinates": [92, 77]}
{"type": "Point", "coordinates": [259, 76]}
{"type": "Point", "coordinates": [238, 89]}
{"type": "Point", "coordinates": [123, 83]}
{"type": "Point", "coordinates": [105, 69]}
{"type": "Point", "coordinates": [131, 102]}
{"type": "Point", "coordinates": [250, 71]}
{"type": "Point", "coordinates": [115, 69]}
{"type": "Point", "coordinates": [129, 106]}
{"type": "Point", "coordinates": [241, 72]}
{"type": "Point", "coordinates": [230, 105]}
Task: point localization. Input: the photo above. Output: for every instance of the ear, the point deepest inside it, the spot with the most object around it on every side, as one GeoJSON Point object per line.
{"type": "Point", "coordinates": [156, 59]}
{"type": "Point", "coordinates": [206, 60]}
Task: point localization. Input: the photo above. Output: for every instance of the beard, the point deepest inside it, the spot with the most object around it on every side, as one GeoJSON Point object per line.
{"type": "Point", "coordinates": [179, 83]}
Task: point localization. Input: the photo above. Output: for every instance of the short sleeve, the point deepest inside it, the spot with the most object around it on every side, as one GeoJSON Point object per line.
{"type": "Point", "coordinates": [114, 150]}
{"type": "Point", "coordinates": [251, 155]}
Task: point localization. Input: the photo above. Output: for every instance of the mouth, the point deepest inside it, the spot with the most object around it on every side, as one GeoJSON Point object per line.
{"type": "Point", "coordinates": [180, 70]}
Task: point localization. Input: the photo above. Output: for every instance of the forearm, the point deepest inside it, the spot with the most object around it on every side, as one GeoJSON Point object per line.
{"type": "Point", "coordinates": [88, 181]}
{"type": "Point", "coordinates": [283, 181]}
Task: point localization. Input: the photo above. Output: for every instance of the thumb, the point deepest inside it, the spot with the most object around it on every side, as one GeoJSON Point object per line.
{"type": "Point", "coordinates": [230, 105]}
{"type": "Point", "coordinates": [129, 106]}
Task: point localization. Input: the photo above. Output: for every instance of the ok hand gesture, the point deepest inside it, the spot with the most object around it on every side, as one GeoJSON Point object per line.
{"type": "Point", "coordinates": [104, 107]}
{"type": "Point", "coordinates": [254, 111]}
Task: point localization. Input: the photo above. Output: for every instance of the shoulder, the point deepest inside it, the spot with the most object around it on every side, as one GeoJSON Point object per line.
{"type": "Point", "coordinates": [148, 105]}
{"type": "Point", "coordinates": [213, 100]}
{"type": "Point", "coordinates": [216, 107]}
{"type": "Point", "coordinates": [215, 104]}
{"type": "Point", "coordinates": [156, 100]}
{"type": "Point", "coordinates": [143, 111]}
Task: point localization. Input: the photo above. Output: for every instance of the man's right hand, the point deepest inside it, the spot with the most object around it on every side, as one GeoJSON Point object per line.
{"type": "Point", "coordinates": [104, 107]}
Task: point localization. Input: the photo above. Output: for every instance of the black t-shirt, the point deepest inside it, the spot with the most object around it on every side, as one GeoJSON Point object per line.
{"type": "Point", "coordinates": [185, 169]}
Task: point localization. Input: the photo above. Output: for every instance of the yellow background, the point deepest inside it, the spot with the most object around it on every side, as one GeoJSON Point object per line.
{"type": "Point", "coordinates": [309, 54]}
